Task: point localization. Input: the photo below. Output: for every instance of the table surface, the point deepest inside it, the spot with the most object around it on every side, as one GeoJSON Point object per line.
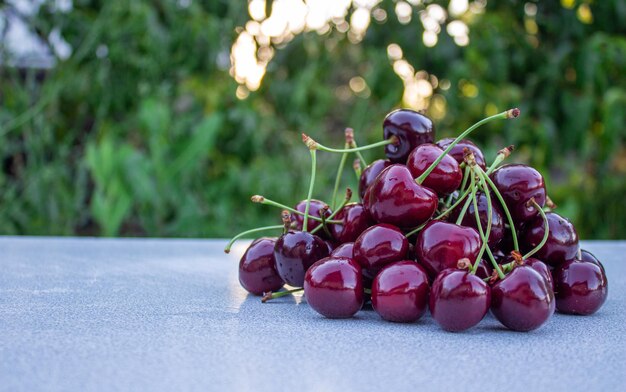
{"type": "Point", "coordinates": [143, 314]}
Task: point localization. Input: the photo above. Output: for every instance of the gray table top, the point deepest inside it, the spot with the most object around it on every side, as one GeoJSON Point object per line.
{"type": "Point", "coordinates": [130, 314]}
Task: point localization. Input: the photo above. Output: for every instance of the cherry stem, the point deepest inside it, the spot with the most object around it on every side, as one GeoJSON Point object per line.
{"type": "Point", "coordinates": [356, 165]}
{"type": "Point", "coordinates": [473, 188]}
{"type": "Point", "coordinates": [358, 154]}
{"type": "Point", "coordinates": [511, 113]}
{"type": "Point", "coordinates": [342, 163]}
{"type": "Point", "coordinates": [328, 220]}
{"type": "Point", "coordinates": [268, 296]}
{"type": "Point", "coordinates": [546, 229]}
{"type": "Point", "coordinates": [262, 200]}
{"type": "Point", "coordinates": [502, 155]}
{"type": "Point", "coordinates": [305, 221]}
{"type": "Point", "coordinates": [367, 291]}
{"type": "Point", "coordinates": [312, 144]}
{"type": "Point", "coordinates": [244, 233]}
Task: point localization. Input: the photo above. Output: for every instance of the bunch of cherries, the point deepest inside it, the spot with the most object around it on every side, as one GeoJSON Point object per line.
{"type": "Point", "coordinates": [435, 227]}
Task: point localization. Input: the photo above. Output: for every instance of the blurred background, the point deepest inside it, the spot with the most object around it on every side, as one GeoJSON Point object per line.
{"type": "Point", "coordinates": [162, 117]}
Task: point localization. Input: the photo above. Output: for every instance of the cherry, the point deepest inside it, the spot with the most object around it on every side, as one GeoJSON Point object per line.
{"type": "Point", "coordinates": [295, 252]}
{"type": "Point", "coordinates": [523, 300]}
{"type": "Point", "coordinates": [441, 245]}
{"type": "Point", "coordinates": [458, 299]}
{"type": "Point", "coordinates": [344, 250]}
{"type": "Point", "coordinates": [562, 243]}
{"type": "Point", "coordinates": [445, 178]}
{"type": "Point", "coordinates": [369, 174]}
{"type": "Point", "coordinates": [589, 257]}
{"type": "Point", "coordinates": [411, 128]}
{"type": "Point", "coordinates": [355, 220]}
{"type": "Point", "coordinates": [469, 219]}
{"type": "Point", "coordinates": [314, 210]}
{"type": "Point", "coordinates": [457, 151]}
{"type": "Point", "coordinates": [400, 292]}
{"type": "Point", "coordinates": [378, 246]}
{"type": "Point", "coordinates": [485, 269]}
{"type": "Point", "coordinates": [518, 184]}
{"type": "Point", "coordinates": [257, 267]}
{"type": "Point", "coordinates": [581, 287]}
{"type": "Point", "coordinates": [395, 198]}
{"type": "Point", "coordinates": [542, 269]}
{"type": "Point", "coordinates": [333, 287]}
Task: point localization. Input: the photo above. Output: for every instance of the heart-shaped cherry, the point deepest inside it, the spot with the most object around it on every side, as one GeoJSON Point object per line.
{"type": "Point", "coordinates": [441, 245]}
{"type": "Point", "coordinates": [395, 198]}
{"type": "Point", "coordinates": [469, 219]}
{"type": "Point", "coordinates": [295, 252]}
{"type": "Point", "coordinates": [445, 178]}
{"type": "Point", "coordinates": [257, 267]}
{"type": "Point", "coordinates": [562, 243]}
{"type": "Point", "coordinates": [457, 151]}
{"type": "Point", "coordinates": [518, 184]}
{"type": "Point", "coordinates": [369, 174]}
{"type": "Point", "coordinates": [458, 299]}
{"type": "Point", "coordinates": [333, 287]}
{"type": "Point", "coordinates": [355, 220]}
{"type": "Point", "coordinates": [344, 250]}
{"type": "Point", "coordinates": [523, 300]}
{"type": "Point", "coordinates": [378, 246]}
{"type": "Point", "coordinates": [411, 128]}
{"type": "Point", "coordinates": [314, 210]}
{"type": "Point", "coordinates": [580, 287]}
{"type": "Point", "coordinates": [400, 292]}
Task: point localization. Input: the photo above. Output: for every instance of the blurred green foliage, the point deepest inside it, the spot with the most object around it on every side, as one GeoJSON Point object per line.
{"type": "Point", "coordinates": [148, 137]}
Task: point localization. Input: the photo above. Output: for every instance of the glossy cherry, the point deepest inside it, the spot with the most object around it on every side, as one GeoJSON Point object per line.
{"type": "Point", "coordinates": [314, 210]}
{"type": "Point", "coordinates": [400, 292]}
{"type": "Point", "coordinates": [589, 257]}
{"type": "Point", "coordinates": [411, 128]}
{"type": "Point", "coordinates": [333, 287]}
{"type": "Point", "coordinates": [518, 184]}
{"type": "Point", "coordinates": [378, 246]}
{"type": "Point", "coordinates": [457, 151]}
{"type": "Point", "coordinates": [562, 244]}
{"type": "Point", "coordinates": [469, 219]}
{"type": "Point", "coordinates": [355, 220]}
{"type": "Point", "coordinates": [344, 250]}
{"type": "Point", "coordinates": [580, 287]}
{"type": "Point", "coordinates": [369, 174]}
{"type": "Point", "coordinates": [485, 269]}
{"type": "Point", "coordinates": [257, 267]}
{"type": "Point", "coordinates": [542, 269]}
{"type": "Point", "coordinates": [523, 300]}
{"type": "Point", "coordinates": [441, 245]}
{"type": "Point", "coordinates": [458, 299]}
{"type": "Point", "coordinates": [295, 252]}
{"type": "Point", "coordinates": [445, 178]}
{"type": "Point", "coordinates": [395, 198]}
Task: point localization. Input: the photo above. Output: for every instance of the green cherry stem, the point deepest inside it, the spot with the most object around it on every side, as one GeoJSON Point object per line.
{"type": "Point", "coordinates": [278, 294]}
{"type": "Point", "coordinates": [315, 145]}
{"type": "Point", "coordinates": [504, 207]}
{"type": "Point", "coordinates": [262, 200]}
{"type": "Point", "coordinates": [329, 219]}
{"type": "Point", "coordinates": [511, 113]}
{"type": "Point", "coordinates": [244, 233]}
{"type": "Point", "coordinates": [546, 228]}
{"type": "Point", "coordinates": [310, 194]}
{"type": "Point", "coordinates": [342, 163]}
{"type": "Point", "coordinates": [502, 155]}
{"type": "Point", "coordinates": [473, 188]}
{"type": "Point", "coordinates": [356, 165]}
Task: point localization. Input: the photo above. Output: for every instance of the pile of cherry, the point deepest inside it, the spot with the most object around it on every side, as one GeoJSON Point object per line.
{"type": "Point", "coordinates": [436, 227]}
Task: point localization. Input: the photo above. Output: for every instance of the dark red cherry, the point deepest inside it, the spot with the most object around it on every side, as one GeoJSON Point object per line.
{"type": "Point", "coordinates": [589, 257]}
{"type": "Point", "coordinates": [485, 269]}
{"type": "Point", "coordinates": [457, 151]}
{"type": "Point", "coordinates": [333, 287]}
{"type": "Point", "coordinates": [257, 267]}
{"type": "Point", "coordinates": [518, 184]}
{"type": "Point", "coordinates": [355, 220]}
{"type": "Point", "coordinates": [295, 252]}
{"type": "Point", "coordinates": [344, 250]}
{"type": "Point", "coordinates": [411, 128]}
{"type": "Point", "coordinates": [542, 269]}
{"type": "Point", "coordinates": [580, 287]}
{"type": "Point", "coordinates": [395, 198]}
{"type": "Point", "coordinates": [562, 244]}
{"type": "Point", "coordinates": [400, 292]}
{"type": "Point", "coordinates": [441, 245]}
{"type": "Point", "coordinates": [458, 299]}
{"type": "Point", "coordinates": [314, 210]}
{"type": "Point", "coordinates": [378, 246]}
{"type": "Point", "coordinates": [445, 178]}
{"type": "Point", "coordinates": [523, 300]}
{"type": "Point", "coordinates": [469, 219]}
{"type": "Point", "coordinates": [369, 174]}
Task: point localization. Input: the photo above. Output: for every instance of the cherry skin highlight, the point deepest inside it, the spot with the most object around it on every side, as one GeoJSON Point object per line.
{"type": "Point", "coordinates": [562, 243]}
{"type": "Point", "coordinates": [457, 151]}
{"type": "Point", "coordinates": [333, 287]}
{"type": "Point", "coordinates": [441, 245]}
{"type": "Point", "coordinates": [581, 287]}
{"type": "Point", "coordinates": [295, 252]}
{"type": "Point", "coordinates": [395, 198]}
{"type": "Point", "coordinates": [542, 269]}
{"type": "Point", "coordinates": [445, 178]}
{"type": "Point", "coordinates": [369, 174]}
{"type": "Point", "coordinates": [523, 300]}
{"type": "Point", "coordinates": [257, 267]}
{"type": "Point", "coordinates": [355, 220]}
{"type": "Point", "coordinates": [400, 292]}
{"type": "Point", "coordinates": [314, 210]}
{"type": "Point", "coordinates": [469, 219]}
{"type": "Point", "coordinates": [589, 257]}
{"type": "Point", "coordinates": [458, 299]}
{"type": "Point", "coordinates": [517, 185]}
{"type": "Point", "coordinates": [411, 128]}
{"type": "Point", "coordinates": [344, 250]}
{"type": "Point", "coordinates": [378, 246]}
